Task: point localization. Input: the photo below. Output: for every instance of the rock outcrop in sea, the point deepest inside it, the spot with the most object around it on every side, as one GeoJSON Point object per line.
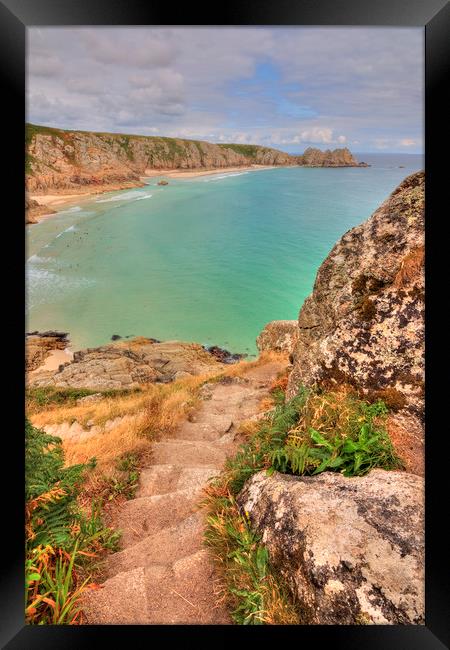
{"type": "Point", "coordinates": [330, 158]}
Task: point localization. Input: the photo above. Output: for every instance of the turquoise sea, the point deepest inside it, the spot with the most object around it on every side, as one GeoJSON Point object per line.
{"type": "Point", "coordinates": [209, 259]}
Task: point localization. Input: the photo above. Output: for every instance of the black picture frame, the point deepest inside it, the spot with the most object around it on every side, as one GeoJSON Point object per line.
{"type": "Point", "coordinates": [15, 16]}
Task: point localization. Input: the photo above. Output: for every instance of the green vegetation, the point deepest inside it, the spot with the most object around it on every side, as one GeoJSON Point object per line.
{"type": "Point", "coordinates": [254, 592]}
{"type": "Point", "coordinates": [61, 540]}
{"type": "Point", "coordinates": [43, 397]}
{"type": "Point", "coordinates": [249, 150]}
{"type": "Point", "coordinates": [125, 481]}
{"type": "Point", "coordinates": [316, 431]}
{"type": "Point", "coordinates": [124, 142]}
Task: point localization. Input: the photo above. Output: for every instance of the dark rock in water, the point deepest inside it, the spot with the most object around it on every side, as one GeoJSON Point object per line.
{"type": "Point", "coordinates": [163, 182]}
{"type": "Point", "coordinates": [224, 356]}
{"type": "Point", "coordinates": [49, 334]}
{"type": "Point", "coordinates": [115, 337]}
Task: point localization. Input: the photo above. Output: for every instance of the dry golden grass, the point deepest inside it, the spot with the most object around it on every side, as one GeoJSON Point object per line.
{"type": "Point", "coordinates": [412, 264]}
{"type": "Point", "coordinates": [225, 527]}
{"type": "Point", "coordinates": [329, 412]}
{"type": "Point", "coordinates": [140, 416]}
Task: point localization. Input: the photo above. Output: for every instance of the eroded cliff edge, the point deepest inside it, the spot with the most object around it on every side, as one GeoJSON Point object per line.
{"type": "Point", "coordinates": [364, 322]}
{"type": "Point", "coordinates": [61, 160]}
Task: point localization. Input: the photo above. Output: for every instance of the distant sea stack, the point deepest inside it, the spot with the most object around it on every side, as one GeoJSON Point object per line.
{"type": "Point", "coordinates": [336, 158]}
{"type": "Point", "coordinates": [63, 161]}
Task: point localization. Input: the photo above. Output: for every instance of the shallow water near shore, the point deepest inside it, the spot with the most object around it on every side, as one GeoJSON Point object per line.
{"type": "Point", "coordinates": [206, 259]}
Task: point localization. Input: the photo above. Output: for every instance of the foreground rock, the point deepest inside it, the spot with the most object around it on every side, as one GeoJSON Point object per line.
{"type": "Point", "coordinates": [351, 550]}
{"type": "Point", "coordinates": [39, 345]}
{"type": "Point", "coordinates": [364, 322]}
{"type": "Point", "coordinates": [129, 365]}
{"type": "Point", "coordinates": [279, 336]}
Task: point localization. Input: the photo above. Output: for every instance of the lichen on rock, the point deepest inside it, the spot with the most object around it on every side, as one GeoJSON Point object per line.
{"type": "Point", "coordinates": [278, 335]}
{"type": "Point", "coordinates": [350, 550]}
{"type": "Point", "coordinates": [364, 322]}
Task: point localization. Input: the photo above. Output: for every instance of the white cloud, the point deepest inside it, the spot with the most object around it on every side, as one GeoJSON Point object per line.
{"type": "Point", "coordinates": [287, 87]}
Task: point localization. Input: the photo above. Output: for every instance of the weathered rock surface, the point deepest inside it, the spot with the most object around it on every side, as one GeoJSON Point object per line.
{"type": "Point", "coordinates": [337, 158]}
{"type": "Point", "coordinates": [351, 550]}
{"type": "Point", "coordinates": [128, 365]}
{"type": "Point", "coordinates": [34, 209]}
{"type": "Point", "coordinates": [38, 346]}
{"type": "Point", "coordinates": [364, 322]}
{"type": "Point", "coordinates": [278, 335]}
{"type": "Point", "coordinates": [64, 160]}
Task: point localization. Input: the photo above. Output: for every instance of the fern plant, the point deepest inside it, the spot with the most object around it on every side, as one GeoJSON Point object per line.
{"type": "Point", "coordinates": [51, 490]}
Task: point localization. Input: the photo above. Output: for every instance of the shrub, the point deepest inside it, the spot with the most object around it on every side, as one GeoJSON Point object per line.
{"type": "Point", "coordinates": [60, 539]}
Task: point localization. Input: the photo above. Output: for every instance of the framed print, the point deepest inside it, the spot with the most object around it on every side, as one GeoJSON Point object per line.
{"type": "Point", "coordinates": [229, 245]}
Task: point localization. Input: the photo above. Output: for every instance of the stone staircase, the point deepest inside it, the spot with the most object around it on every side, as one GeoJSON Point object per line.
{"type": "Point", "coordinates": [164, 574]}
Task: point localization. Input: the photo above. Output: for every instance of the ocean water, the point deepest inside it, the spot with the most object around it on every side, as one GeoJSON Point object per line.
{"type": "Point", "coordinates": [209, 259]}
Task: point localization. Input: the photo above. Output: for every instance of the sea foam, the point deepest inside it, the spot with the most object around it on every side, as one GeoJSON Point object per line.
{"type": "Point", "coordinates": [127, 196]}
{"type": "Point", "coordinates": [222, 176]}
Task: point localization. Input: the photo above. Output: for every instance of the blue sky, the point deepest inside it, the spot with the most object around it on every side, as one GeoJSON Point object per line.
{"type": "Point", "coordinates": [284, 87]}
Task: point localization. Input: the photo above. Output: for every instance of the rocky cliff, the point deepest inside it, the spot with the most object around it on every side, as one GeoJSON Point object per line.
{"type": "Point", "coordinates": [34, 209]}
{"type": "Point", "coordinates": [65, 160]}
{"type": "Point", "coordinates": [336, 158]}
{"type": "Point", "coordinates": [364, 322]}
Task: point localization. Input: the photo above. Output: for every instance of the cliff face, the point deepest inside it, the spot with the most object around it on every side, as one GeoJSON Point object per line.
{"type": "Point", "coordinates": [69, 159]}
{"type": "Point", "coordinates": [336, 158]}
{"type": "Point", "coordinates": [364, 322]}
{"type": "Point", "coordinates": [57, 159]}
{"type": "Point", "coordinates": [34, 209]}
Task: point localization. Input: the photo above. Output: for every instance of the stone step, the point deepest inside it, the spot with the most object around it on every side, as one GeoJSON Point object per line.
{"type": "Point", "coordinates": [163, 479]}
{"type": "Point", "coordinates": [164, 547]}
{"type": "Point", "coordinates": [121, 600]}
{"type": "Point", "coordinates": [206, 430]}
{"type": "Point", "coordinates": [187, 594]}
{"type": "Point", "coordinates": [188, 453]}
{"type": "Point", "coordinates": [147, 515]}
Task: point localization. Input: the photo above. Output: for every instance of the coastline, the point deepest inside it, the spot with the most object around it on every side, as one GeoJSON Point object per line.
{"type": "Point", "coordinates": [59, 200]}
{"type": "Point", "coordinates": [193, 173]}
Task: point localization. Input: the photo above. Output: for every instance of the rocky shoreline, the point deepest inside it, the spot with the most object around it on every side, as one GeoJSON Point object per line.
{"type": "Point", "coordinates": [121, 364]}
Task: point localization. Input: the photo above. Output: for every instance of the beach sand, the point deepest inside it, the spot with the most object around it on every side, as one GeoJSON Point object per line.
{"type": "Point", "coordinates": [54, 360]}
{"type": "Point", "coordinates": [192, 173]}
{"type": "Point", "coordinates": [62, 201]}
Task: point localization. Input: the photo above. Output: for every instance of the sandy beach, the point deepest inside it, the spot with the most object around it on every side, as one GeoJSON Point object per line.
{"type": "Point", "coordinates": [192, 173]}
{"type": "Point", "coordinates": [63, 201]}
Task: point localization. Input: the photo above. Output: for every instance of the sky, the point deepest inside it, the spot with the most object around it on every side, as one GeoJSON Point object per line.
{"type": "Point", "coordinates": [283, 87]}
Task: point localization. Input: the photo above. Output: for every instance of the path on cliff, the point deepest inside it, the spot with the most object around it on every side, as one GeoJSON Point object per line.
{"type": "Point", "coordinates": [163, 573]}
